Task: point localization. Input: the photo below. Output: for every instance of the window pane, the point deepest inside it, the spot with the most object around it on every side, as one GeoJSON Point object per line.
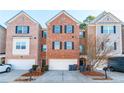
{"type": "Point", "coordinates": [69, 29]}
{"type": "Point", "coordinates": [44, 34]}
{"type": "Point", "coordinates": [25, 29]}
{"type": "Point", "coordinates": [44, 48]}
{"type": "Point", "coordinates": [19, 29]}
{"type": "Point", "coordinates": [17, 45]}
{"type": "Point", "coordinates": [57, 29]}
{"type": "Point", "coordinates": [111, 29]}
{"type": "Point", "coordinates": [105, 29]}
{"type": "Point", "coordinates": [57, 45]}
{"type": "Point", "coordinates": [81, 48]}
{"type": "Point", "coordinates": [82, 34]}
{"type": "Point", "coordinates": [68, 45]}
{"type": "Point", "coordinates": [23, 45]}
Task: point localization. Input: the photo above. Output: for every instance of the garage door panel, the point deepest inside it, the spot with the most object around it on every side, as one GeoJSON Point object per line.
{"type": "Point", "coordinates": [21, 64]}
{"type": "Point", "coordinates": [61, 64]}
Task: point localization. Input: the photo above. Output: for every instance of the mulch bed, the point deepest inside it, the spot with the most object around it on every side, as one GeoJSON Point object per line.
{"type": "Point", "coordinates": [102, 78]}
{"type": "Point", "coordinates": [92, 73]}
{"type": "Point", "coordinates": [26, 77]}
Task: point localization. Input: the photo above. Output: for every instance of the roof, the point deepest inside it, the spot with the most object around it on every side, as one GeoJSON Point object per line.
{"type": "Point", "coordinates": [102, 15]}
{"type": "Point", "coordinates": [62, 12]}
{"type": "Point", "coordinates": [21, 12]}
{"type": "Point", "coordinates": [2, 27]}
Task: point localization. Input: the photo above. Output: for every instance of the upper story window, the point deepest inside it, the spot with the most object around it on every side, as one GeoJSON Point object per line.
{"type": "Point", "coordinates": [82, 34]}
{"type": "Point", "coordinates": [44, 34]}
{"type": "Point", "coordinates": [20, 45]}
{"type": "Point", "coordinates": [22, 29]}
{"type": "Point", "coordinates": [69, 29]}
{"type": "Point", "coordinates": [56, 45]}
{"type": "Point", "coordinates": [108, 29]}
{"type": "Point", "coordinates": [44, 48]}
{"type": "Point", "coordinates": [57, 29]}
{"type": "Point", "coordinates": [69, 45]}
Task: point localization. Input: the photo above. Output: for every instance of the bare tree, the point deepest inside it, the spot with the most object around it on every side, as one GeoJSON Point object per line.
{"type": "Point", "coordinates": [99, 49]}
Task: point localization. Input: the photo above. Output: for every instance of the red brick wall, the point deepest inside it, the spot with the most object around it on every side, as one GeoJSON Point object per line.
{"type": "Point", "coordinates": [63, 54]}
{"type": "Point", "coordinates": [34, 43]}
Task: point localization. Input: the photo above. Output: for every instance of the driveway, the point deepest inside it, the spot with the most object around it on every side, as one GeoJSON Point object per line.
{"type": "Point", "coordinates": [11, 76]}
{"type": "Point", "coordinates": [62, 77]}
{"type": "Point", "coordinates": [76, 77]}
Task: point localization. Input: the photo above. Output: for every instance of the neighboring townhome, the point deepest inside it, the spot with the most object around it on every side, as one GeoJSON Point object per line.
{"type": "Point", "coordinates": [107, 30]}
{"type": "Point", "coordinates": [63, 46]}
{"type": "Point", "coordinates": [23, 41]}
{"type": "Point", "coordinates": [2, 44]}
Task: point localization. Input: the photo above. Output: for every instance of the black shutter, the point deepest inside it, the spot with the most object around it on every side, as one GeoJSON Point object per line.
{"type": "Point", "coordinates": [65, 45]}
{"type": "Point", "coordinates": [84, 34]}
{"type": "Point", "coordinates": [101, 29]}
{"type": "Point", "coordinates": [53, 45]}
{"type": "Point", "coordinates": [60, 45]}
{"type": "Point", "coordinates": [114, 29]}
{"type": "Point", "coordinates": [42, 34]}
{"type": "Point", "coordinates": [28, 29]}
{"type": "Point", "coordinates": [72, 28]}
{"type": "Point", "coordinates": [73, 45]}
{"type": "Point", "coordinates": [53, 28]}
{"type": "Point", "coordinates": [115, 46]}
{"type": "Point", "coordinates": [16, 29]}
{"type": "Point", "coordinates": [65, 28]}
{"type": "Point", "coordinates": [61, 29]}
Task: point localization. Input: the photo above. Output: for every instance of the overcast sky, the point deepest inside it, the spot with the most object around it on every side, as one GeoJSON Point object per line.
{"type": "Point", "coordinates": [42, 16]}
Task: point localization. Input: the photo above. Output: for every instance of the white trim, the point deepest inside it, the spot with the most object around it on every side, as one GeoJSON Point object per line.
{"type": "Point", "coordinates": [103, 15]}
{"type": "Point", "coordinates": [60, 14]}
{"type": "Point", "coordinates": [20, 13]}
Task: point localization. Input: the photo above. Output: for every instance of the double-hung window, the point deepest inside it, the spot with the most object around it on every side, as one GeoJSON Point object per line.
{"type": "Point", "coordinates": [57, 29]}
{"type": "Point", "coordinates": [56, 45]}
{"type": "Point", "coordinates": [82, 34]}
{"type": "Point", "coordinates": [22, 29]}
{"type": "Point", "coordinates": [69, 28]}
{"type": "Point", "coordinates": [69, 45]}
{"type": "Point", "coordinates": [20, 45]}
{"type": "Point", "coordinates": [81, 48]}
{"type": "Point", "coordinates": [108, 29]}
{"type": "Point", "coordinates": [44, 34]}
{"type": "Point", "coordinates": [44, 48]}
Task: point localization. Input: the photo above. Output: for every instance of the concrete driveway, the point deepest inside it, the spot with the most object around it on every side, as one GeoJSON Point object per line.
{"type": "Point", "coordinates": [76, 77]}
{"type": "Point", "coordinates": [62, 77]}
{"type": "Point", "coordinates": [11, 76]}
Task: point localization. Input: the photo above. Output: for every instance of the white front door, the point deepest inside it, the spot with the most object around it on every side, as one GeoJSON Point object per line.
{"type": "Point", "coordinates": [61, 64]}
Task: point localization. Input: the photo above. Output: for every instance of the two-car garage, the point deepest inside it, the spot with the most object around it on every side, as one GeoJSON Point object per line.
{"type": "Point", "coordinates": [21, 64]}
{"type": "Point", "coordinates": [61, 64]}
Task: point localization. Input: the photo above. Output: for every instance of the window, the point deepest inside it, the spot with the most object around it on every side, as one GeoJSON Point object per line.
{"type": "Point", "coordinates": [82, 34]}
{"type": "Point", "coordinates": [44, 34]}
{"type": "Point", "coordinates": [57, 29]}
{"type": "Point", "coordinates": [69, 29]}
{"type": "Point", "coordinates": [57, 45]}
{"type": "Point", "coordinates": [69, 45]}
{"type": "Point", "coordinates": [108, 29]}
{"type": "Point", "coordinates": [20, 45]}
{"type": "Point", "coordinates": [22, 29]}
{"type": "Point", "coordinates": [44, 48]}
{"type": "Point", "coordinates": [81, 48]}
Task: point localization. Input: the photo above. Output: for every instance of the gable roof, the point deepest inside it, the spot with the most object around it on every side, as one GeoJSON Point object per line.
{"type": "Point", "coordinates": [62, 12]}
{"type": "Point", "coordinates": [21, 12]}
{"type": "Point", "coordinates": [104, 14]}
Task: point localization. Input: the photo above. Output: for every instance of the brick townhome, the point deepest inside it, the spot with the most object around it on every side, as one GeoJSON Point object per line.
{"type": "Point", "coordinates": [63, 43]}
{"type": "Point", "coordinates": [59, 45]}
{"type": "Point", "coordinates": [23, 41]}
{"type": "Point", "coordinates": [2, 44]}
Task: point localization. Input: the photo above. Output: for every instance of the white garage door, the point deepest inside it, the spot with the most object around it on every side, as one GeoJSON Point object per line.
{"type": "Point", "coordinates": [61, 64]}
{"type": "Point", "coordinates": [21, 64]}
